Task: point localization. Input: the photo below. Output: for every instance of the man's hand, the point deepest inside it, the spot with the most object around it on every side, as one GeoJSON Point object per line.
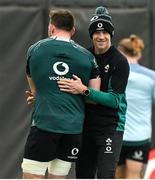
{"type": "Point", "coordinates": [30, 97]}
{"type": "Point", "coordinates": [73, 86]}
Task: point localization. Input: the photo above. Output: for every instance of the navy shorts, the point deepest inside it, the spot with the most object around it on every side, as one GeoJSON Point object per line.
{"type": "Point", "coordinates": [45, 146]}
{"type": "Point", "coordinates": [135, 152]}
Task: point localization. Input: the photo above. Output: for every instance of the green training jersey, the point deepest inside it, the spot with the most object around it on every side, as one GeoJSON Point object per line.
{"type": "Point", "coordinates": [47, 61]}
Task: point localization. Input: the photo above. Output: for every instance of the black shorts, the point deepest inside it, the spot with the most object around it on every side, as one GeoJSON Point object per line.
{"type": "Point", "coordinates": [99, 155]}
{"type": "Point", "coordinates": [136, 152]}
{"type": "Point", "coordinates": [45, 146]}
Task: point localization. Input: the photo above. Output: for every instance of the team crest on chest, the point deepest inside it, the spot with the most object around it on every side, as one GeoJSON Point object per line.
{"type": "Point", "coordinates": [106, 68]}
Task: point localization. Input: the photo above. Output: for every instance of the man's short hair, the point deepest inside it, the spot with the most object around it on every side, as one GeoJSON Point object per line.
{"type": "Point", "coordinates": [62, 19]}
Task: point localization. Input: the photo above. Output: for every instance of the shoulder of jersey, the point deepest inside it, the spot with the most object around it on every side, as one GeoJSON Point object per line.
{"type": "Point", "coordinates": [116, 54]}
{"type": "Point", "coordinates": [148, 71]}
{"type": "Point", "coordinates": [81, 48]}
{"type": "Point", "coordinates": [39, 43]}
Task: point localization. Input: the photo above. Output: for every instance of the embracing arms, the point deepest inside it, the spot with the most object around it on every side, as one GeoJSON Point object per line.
{"type": "Point", "coordinates": [75, 86]}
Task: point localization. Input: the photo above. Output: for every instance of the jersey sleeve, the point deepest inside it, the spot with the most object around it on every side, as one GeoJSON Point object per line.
{"type": "Point", "coordinates": [95, 70]}
{"type": "Point", "coordinates": [28, 61]}
{"type": "Point", "coordinates": [153, 89]}
{"type": "Point", "coordinates": [154, 94]}
{"type": "Point", "coordinates": [28, 68]}
{"type": "Point", "coordinates": [119, 77]}
{"type": "Point", "coordinates": [116, 91]}
{"type": "Point", "coordinates": [109, 99]}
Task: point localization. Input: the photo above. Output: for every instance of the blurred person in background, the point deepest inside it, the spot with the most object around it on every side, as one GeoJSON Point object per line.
{"type": "Point", "coordinates": [140, 96]}
{"type": "Point", "coordinates": [57, 119]}
{"type": "Point", "coordinates": [104, 121]}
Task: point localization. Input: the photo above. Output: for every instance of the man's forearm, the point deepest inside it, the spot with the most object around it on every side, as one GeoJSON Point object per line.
{"type": "Point", "coordinates": [31, 85]}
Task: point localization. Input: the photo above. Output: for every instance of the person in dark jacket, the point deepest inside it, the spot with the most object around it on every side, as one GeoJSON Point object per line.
{"type": "Point", "coordinates": [105, 117]}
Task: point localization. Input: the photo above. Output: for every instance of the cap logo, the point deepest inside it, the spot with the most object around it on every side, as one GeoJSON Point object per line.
{"type": "Point", "coordinates": [99, 25]}
{"type": "Point", "coordinates": [94, 18]}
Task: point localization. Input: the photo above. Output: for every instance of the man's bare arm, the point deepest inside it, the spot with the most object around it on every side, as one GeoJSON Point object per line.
{"type": "Point", "coordinates": [31, 85]}
{"type": "Point", "coordinates": [32, 92]}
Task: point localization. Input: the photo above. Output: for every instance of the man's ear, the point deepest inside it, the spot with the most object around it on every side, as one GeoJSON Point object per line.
{"type": "Point", "coordinates": [51, 29]}
{"type": "Point", "coordinates": [73, 31]}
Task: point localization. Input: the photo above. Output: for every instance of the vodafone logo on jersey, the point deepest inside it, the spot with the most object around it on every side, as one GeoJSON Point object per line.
{"type": "Point", "coordinates": [60, 68]}
{"type": "Point", "coordinates": [60, 65]}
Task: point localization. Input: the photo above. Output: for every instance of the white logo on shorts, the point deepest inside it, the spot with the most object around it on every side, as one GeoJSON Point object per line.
{"type": "Point", "coordinates": [138, 155]}
{"type": "Point", "coordinates": [108, 148]}
{"type": "Point", "coordinates": [64, 65]}
{"type": "Point", "coordinates": [75, 151]}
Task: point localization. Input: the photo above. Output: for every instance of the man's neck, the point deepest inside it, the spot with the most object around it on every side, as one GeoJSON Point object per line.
{"type": "Point", "coordinates": [132, 60]}
{"type": "Point", "coordinates": [61, 36]}
{"type": "Point", "coordinates": [101, 51]}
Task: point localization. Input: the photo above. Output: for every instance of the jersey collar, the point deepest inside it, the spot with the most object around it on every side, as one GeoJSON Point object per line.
{"type": "Point", "coordinates": [60, 38]}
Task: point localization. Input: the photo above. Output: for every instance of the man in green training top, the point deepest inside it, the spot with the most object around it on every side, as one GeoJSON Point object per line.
{"type": "Point", "coordinates": [57, 119]}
